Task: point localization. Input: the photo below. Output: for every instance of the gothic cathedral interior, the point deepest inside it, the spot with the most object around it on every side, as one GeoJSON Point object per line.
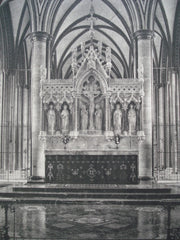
{"type": "Point", "coordinates": [90, 90]}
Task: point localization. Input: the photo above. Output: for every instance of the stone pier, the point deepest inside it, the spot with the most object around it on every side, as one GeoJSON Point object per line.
{"type": "Point", "coordinates": [144, 52]}
{"type": "Point", "coordinates": [39, 55]}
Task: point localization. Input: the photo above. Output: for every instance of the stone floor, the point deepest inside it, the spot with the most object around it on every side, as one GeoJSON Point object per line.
{"type": "Point", "coordinates": [89, 221]}
{"type": "Point", "coordinates": [83, 222]}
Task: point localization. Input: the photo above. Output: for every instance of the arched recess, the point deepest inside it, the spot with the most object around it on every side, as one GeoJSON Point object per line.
{"type": "Point", "coordinates": [85, 76]}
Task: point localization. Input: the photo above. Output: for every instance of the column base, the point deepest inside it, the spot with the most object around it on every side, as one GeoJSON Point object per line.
{"type": "Point", "coordinates": [39, 158]}
{"type": "Point", "coordinates": [36, 179]}
{"type": "Point", "coordinates": [109, 134]}
{"type": "Point", "coordinates": [145, 178]}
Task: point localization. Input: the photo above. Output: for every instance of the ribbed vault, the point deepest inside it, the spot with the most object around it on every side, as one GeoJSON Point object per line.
{"type": "Point", "coordinates": [68, 22]}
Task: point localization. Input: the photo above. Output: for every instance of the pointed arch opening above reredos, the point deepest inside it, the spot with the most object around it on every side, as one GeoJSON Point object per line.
{"type": "Point", "coordinates": [98, 76]}
{"type": "Point", "coordinates": [91, 65]}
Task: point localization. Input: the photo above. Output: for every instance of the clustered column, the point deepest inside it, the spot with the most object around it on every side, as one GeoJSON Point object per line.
{"type": "Point", "coordinates": [144, 58]}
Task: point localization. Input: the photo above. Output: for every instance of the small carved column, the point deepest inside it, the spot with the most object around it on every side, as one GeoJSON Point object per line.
{"type": "Point", "coordinates": [139, 115]}
{"type": "Point", "coordinates": [76, 114]}
{"type": "Point", "coordinates": [125, 114]}
{"type": "Point", "coordinates": [107, 115]}
{"type": "Point", "coordinates": [39, 55]}
{"type": "Point", "coordinates": [75, 130]}
{"type": "Point", "coordinates": [108, 130]}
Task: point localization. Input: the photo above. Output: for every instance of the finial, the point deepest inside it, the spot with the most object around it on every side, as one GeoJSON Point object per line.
{"type": "Point", "coordinates": [92, 9]}
{"type": "Point", "coordinates": [91, 20]}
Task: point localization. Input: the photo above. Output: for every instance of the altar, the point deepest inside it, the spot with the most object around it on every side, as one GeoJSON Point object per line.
{"type": "Point", "coordinates": [91, 125]}
{"type": "Point", "coordinates": [86, 169]}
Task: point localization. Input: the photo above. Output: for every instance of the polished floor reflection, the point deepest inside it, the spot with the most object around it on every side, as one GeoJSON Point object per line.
{"type": "Point", "coordinates": [97, 221]}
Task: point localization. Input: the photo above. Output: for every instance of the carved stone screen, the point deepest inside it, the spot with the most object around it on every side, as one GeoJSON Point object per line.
{"type": "Point", "coordinates": [92, 169]}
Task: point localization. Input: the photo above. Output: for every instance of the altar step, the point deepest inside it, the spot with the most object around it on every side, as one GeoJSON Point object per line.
{"type": "Point", "coordinates": [108, 189]}
{"type": "Point", "coordinates": [87, 194]}
{"type": "Point", "coordinates": [96, 193]}
{"type": "Point", "coordinates": [82, 195]}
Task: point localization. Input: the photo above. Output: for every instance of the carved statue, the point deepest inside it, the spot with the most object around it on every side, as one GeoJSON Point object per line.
{"type": "Point", "coordinates": [84, 117]}
{"type": "Point", "coordinates": [91, 90]}
{"type": "Point", "coordinates": [132, 119]}
{"type": "Point", "coordinates": [51, 118]}
{"type": "Point", "coordinates": [91, 61]}
{"type": "Point", "coordinates": [65, 118]}
{"type": "Point", "coordinates": [98, 117]}
{"type": "Point", "coordinates": [117, 117]}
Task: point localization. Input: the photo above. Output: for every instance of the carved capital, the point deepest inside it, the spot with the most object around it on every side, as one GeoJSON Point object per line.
{"type": "Point", "coordinates": [40, 36]}
{"type": "Point", "coordinates": [144, 34]}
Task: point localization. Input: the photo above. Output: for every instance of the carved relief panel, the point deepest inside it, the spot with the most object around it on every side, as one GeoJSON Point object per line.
{"type": "Point", "coordinates": [91, 112]}
{"type": "Point", "coordinates": [57, 107]}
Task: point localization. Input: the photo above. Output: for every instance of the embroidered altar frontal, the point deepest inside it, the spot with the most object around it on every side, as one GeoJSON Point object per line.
{"type": "Point", "coordinates": [92, 169]}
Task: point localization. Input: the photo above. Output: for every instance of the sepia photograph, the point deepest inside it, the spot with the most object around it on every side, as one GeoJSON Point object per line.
{"type": "Point", "coordinates": [89, 119]}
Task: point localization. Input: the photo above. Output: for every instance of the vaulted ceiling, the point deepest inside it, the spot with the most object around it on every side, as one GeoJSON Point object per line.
{"type": "Point", "coordinates": [68, 22]}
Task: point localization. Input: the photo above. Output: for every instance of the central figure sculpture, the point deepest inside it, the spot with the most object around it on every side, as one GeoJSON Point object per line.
{"type": "Point", "coordinates": [91, 89]}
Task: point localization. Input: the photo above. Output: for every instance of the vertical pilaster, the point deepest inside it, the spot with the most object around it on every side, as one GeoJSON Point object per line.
{"type": "Point", "coordinates": [11, 125]}
{"type": "Point", "coordinates": [161, 125]}
{"type": "Point", "coordinates": [15, 127]}
{"type": "Point", "coordinates": [135, 57]}
{"type": "Point", "coordinates": [1, 101]}
{"type": "Point", "coordinates": [155, 145]}
{"type": "Point", "coordinates": [19, 122]}
{"type": "Point", "coordinates": [178, 120]}
{"type": "Point", "coordinates": [25, 126]}
{"type": "Point", "coordinates": [144, 52]}
{"type": "Point", "coordinates": [173, 122]}
{"type": "Point", "coordinates": [39, 55]}
{"type": "Point", "coordinates": [167, 124]}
